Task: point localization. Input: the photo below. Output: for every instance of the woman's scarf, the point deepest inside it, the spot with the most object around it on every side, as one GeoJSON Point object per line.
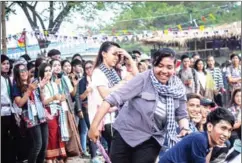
{"type": "Point", "coordinates": [111, 74]}
{"type": "Point", "coordinates": [35, 105]}
{"type": "Point", "coordinates": [173, 90]}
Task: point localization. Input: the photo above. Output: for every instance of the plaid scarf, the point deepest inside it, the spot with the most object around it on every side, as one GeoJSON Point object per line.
{"type": "Point", "coordinates": [174, 90]}
{"type": "Point", "coordinates": [111, 74]}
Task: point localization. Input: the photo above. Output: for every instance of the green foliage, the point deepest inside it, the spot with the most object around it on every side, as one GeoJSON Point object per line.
{"type": "Point", "coordinates": [164, 15]}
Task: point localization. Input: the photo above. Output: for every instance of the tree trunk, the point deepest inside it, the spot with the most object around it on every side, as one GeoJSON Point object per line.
{"type": "Point", "coordinates": [3, 21]}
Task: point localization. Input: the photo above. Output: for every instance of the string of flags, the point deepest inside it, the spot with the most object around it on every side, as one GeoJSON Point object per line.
{"type": "Point", "coordinates": [179, 30]}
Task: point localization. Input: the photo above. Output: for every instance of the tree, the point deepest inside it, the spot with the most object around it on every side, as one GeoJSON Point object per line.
{"type": "Point", "coordinates": [164, 15]}
{"type": "Point", "coordinates": [58, 12]}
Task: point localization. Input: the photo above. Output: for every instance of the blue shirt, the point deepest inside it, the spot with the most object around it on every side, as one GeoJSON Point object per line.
{"type": "Point", "coordinates": [191, 149]}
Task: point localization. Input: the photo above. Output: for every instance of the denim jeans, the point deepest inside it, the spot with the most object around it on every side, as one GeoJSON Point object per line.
{"type": "Point", "coordinates": [39, 136]}
{"type": "Point", "coordinates": [83, 134]}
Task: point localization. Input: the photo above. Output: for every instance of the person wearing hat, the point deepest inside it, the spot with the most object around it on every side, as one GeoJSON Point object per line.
{"type": "Point", "coordinates": [54, 54]}
{"type": "Point", "coordinates": [8, 122]}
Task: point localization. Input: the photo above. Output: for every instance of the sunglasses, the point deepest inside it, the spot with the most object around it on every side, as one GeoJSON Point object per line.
{"type": "Point", "coordinates": [23, 70]}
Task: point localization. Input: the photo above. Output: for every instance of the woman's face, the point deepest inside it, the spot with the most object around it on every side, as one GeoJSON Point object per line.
{"type": "Point", "coordinates": [31, 72]}
{"type": "Point", "coordinates": [5, 66]}
{"type": "Point", "coordinates": [200, 65]}
{"type": "Point", "coordinates": [89, 69]}
{"type": "Point", "coordinates": [56, 67]}
{"type": "Point", "coordinates": [165, 69]}
{"type": "Point", "coordinates": [237, 98]}
{"type": "Point", "coordinates": [67, 68]}
{"type": "Point", "coordinates": [23, 73]}
{"type": "Point", "coordinates": [111, 57]}
{"type": "Point", "coordinates": [48, 73]}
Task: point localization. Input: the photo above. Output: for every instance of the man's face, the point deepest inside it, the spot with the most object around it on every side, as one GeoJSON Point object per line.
{"type": "Point", "coordinates": [186, 62]}
{"type": "Point", "coordinates": [138, 57]}
{"type": "Point", "coordinates": [5, 66]}
{"type": "Point", "coordinates": [78, 69]}
{"type": "Point", "coordinates": [219, 133]}
{"type": "Point", "coordinates": [196, 57]}
{"type": "Point", "coordinates": [194, 109]}
{"type": "Point", "coordinates": [58, 57]}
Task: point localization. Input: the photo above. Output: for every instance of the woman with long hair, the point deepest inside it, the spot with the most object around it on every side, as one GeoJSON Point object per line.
{"type": "Point", "coordinates": [69, 126]}
{"type": "Point", "coordinates": [235, 108]}
{"type": "Point", "coordinates": [104, 81]}
{"type": "Point", "coordinates": [27, 95]}
{"type": "Point", "coordinates": [207, 84]}
{"type": "Point", "coordinates": [52, 100]}
{"type": "Point", "coordinates": [84, 91]}
{"type": "Point", "coordinates": [156, 100]}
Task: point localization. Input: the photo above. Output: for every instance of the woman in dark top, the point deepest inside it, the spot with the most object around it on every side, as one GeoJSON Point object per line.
{"type": "Point", "coordinates": [84, 90]}
{"type": "Point", "coordinates": [27, 95]}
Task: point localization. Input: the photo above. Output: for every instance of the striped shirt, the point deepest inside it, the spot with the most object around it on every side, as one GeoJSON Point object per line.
{"type": "Point", "coordinates": [217, 77]}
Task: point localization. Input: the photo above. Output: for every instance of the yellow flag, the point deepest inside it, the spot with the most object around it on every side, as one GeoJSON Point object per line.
{"type": "Point", "coordinates": [125, 31]}
{"type": "Point", "coordinates": [179, 27]}
{"type": "Point", "coordinates": [201, 27]}
{"type": "Point", "coordinates": [212, 16]}
{"type": "Point", "coordinates": [166, 32]}
{"type": "Point", "coordinates": [46, 32]}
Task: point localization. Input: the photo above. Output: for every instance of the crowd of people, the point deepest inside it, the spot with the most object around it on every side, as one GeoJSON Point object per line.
{"type": "Point", "coordinates": [142, 111]}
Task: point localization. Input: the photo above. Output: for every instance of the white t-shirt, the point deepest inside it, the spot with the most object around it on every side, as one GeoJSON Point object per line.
{"type": "Point", "coordinates": [5, 111]}
{"type": "Point", "coordinates": [95, 99]}
{"type": "Point", "coordinates": [202, 79]}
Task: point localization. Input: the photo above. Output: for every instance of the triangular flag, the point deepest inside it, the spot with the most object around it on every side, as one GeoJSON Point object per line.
{"type": "Point", "coordinates": [46, 32]}
{"type": "Point", "coordinates": [212, 16]}
{"type": "Point", "coordinates": [203, 19]}
{"type": "Point", "coordinates": [125, 31]}
{"type": "Point", "coordinates": [201, 27]}
{"type": "Point", "coordinates": [166, 32]}
{"type": "Point", "coordinates": [179, 27]}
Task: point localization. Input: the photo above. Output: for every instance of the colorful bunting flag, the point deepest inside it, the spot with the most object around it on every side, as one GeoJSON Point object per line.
{"type": "Point", "coordinates": [203, 19]}
{"type": "Point", "coordinates": [21, 40]}
{"type": "Point", "coordinates": [212, 16]}
{"type": "Point", "coordinates": [166, 32]}
{"type": "Point", "coordinates": [179, 27]}
{"type": "Point", "coordinates": [201, 27]}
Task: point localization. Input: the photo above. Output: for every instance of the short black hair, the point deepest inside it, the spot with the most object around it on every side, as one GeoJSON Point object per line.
{"type": "Point", "coordinates": [136, 51]}
{"type": "Point", "coordinates": [195, 54]}
{"type": "Point", "coordinates": [184, 57]}
{"type": "Point", "coordinates": [76, 62]}
{"type": "Point", "coordinates": [192, 95]}
{"type": "Point", "coordinates": [219, 114]}
{"type": "Point", "coordinates": [234, 55]}
{"type": "Point", "coordinates": [77, 55]}
{"type": "Point", "coordinates": [53, 52]}
{"type": "Point", "coordinates": [30, 65]}
{"type": "Point", "coordinates": [26, 57]}
{"type": "Point", "coordinates": [162, 53]}
{"type": "Point", "coordinates": [64, 61]}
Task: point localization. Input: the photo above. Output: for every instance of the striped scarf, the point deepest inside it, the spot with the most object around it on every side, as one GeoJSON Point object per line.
{"type": "Point", "coordinates": [111, 74]}
{"type": "Point", "coordinates": [38, 106]}
{"type": "Point", "coordinates": [174, 90]}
